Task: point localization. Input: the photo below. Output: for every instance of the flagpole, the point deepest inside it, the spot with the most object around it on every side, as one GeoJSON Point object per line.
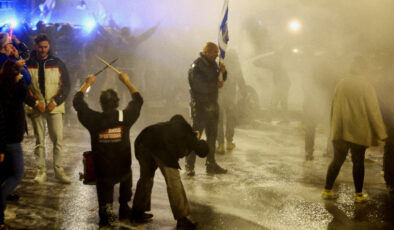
{"type": "Point", "coordinates": [223, 36]}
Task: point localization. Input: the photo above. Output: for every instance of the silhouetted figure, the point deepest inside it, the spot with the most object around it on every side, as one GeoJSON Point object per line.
{"type": "Point", "coordinates": [161, 146]}
{"type": "Point", "coordinates": [204, 84]}
{"type": "Point", "coordinates": [13, 91]}
{"type": "Point", "coordinates": [228, 95]}
{"type": "Point", "coordinates": [386, 98]}
{"type": "Point", "coordinates": [356, 123]}
{"type": "Point", "coordinates": [109, 133]}
{"type": "Point", "coordinates": [47, 94]}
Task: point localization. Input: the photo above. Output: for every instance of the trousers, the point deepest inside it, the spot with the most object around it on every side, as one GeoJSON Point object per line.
{"type": "Point", "coordinates": [55, 131]}
{"type": "Point", "coordinates": [341, 149]}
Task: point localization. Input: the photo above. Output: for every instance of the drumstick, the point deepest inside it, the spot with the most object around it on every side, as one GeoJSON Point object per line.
{"type": "Point", "coordinates": [109, 65]}
{"type": "Point", "coordinates": [105, 67]}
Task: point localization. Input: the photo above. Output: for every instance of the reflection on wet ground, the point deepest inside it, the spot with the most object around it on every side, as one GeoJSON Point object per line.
{"type": "Point", "coordinates": [268, 186]}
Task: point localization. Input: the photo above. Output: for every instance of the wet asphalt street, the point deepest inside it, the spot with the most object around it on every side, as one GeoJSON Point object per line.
{"type": "Point", "coordinates": [269, 186]}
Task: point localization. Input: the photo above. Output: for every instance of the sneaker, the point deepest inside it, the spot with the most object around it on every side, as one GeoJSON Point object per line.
{"type": "Point", "coordinates": [214, 168]}
{"type": "Point", "coordinates": [360, 197]}
{"type": "Point", "coordinates": [185, 223]}
{"type": "Point", "coordinates": [41, 177]}
{"type": "Point", "coordinates": [140, 217]}
{"type": "Point", "coordinates": [220, 149]}
{"type": "Point", "coordinates": [107, 216]}
{"type": "Point", "coordinates": [328, 194]}
{"type": "Point", "coordinates": [124, 211]}
{"type": "Point", "coordinates": [230, 145]}
{"type": "Point", "coordinates": [61, 176]}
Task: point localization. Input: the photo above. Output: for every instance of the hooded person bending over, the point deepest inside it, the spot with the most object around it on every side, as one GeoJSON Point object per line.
{"type": "Point", "coordinates": [162, 145]}
{"type": "Point", "coordinates": [109, 136]}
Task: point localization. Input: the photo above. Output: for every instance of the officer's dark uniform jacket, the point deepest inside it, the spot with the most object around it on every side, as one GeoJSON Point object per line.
{"type": "Point", "coordinates": [109, 134]}
{"type": "Point", "coordinates": [169, 141]}
{"type": "Point", "coordinates": [203, 80]}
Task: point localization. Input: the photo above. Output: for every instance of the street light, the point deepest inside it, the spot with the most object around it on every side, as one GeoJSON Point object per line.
{"type": "Point", "coordinates": [294, 25]}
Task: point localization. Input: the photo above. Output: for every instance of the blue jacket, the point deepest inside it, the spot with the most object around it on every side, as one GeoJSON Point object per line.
{"type": "Point", "coordinates": [26, 74]}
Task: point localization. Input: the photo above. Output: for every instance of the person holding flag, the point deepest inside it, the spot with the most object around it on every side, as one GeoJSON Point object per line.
{"type": "Point", "coordinates": [204, 83]}
{"type": "Point", "coordinates": [205, 79]}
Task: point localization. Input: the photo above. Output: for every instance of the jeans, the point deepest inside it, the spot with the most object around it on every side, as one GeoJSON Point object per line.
{"type": "Point", "coordinates": [341, 149]}
{"type": "Point", "coordinates": [55, 130]}
{"type": "Point", "coordinates": [15, 170]}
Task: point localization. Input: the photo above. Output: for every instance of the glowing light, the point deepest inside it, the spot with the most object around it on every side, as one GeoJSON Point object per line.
{"type": "Point", "coordinates": [10, 21]}
{"type": "Point", "coordinates": [13, 23]}
{"type": "Point", "coordinates": [295, 25]}
{"type": "Point", "coordinates": [295, 50]}
{"type": "Point", "coordinates": [89, 25]}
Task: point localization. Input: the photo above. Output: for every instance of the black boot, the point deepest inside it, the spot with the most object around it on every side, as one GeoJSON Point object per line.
{"type": "Point", "coordinates": [140, 217]}
{"type": "Point", "coordinates": [185, 223]}
{"type": "Point", "coordinates": [124, 211]}
{"type": "Point", "coordinates": [214, 168]}
{"type": "Point", "coordinates": [107, 216]}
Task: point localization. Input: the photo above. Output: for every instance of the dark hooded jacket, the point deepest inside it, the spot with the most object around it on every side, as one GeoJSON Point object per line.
{"type": "Point", "coordinates": [169, 141]}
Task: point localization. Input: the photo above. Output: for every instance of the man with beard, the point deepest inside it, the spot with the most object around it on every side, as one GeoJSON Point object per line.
{"type": "Point", "coordinates": [47, 93]}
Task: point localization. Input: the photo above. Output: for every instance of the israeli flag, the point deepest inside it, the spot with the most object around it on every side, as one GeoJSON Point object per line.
{"type": "Point", "coordinates": [223, 32]}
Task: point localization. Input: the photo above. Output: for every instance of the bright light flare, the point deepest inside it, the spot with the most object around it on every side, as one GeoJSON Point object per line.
{"type": "Point", "coordinates": [295, 51]}
{"type": "Point", "coordinates": [294, 25]}
{"type": "Point", "coordinates": [89, 25]}
{"type": "Point", "coordinates": [13, 23]}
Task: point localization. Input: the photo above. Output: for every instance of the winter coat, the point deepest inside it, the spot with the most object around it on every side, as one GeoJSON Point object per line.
{"type": "Point", "coordinates": [203, 80]}
{"type": "Point", "coordinates": [355, 113]}
{"type": "Point", "coordinates": [109, 135]}
{"type": "Point", "coordinates": [11, 99]}
{"type": "Point", "coordinates": [57, 83]}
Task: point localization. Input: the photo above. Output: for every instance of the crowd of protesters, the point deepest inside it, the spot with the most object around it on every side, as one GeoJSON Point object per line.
{"type": "Point", "coordinates": [356, 120]}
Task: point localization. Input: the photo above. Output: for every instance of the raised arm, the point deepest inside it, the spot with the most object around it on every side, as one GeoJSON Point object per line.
{"type": "Point", "coordinates": [88, 82]}
{"type": "Point", "coordinates": [126, 81]}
